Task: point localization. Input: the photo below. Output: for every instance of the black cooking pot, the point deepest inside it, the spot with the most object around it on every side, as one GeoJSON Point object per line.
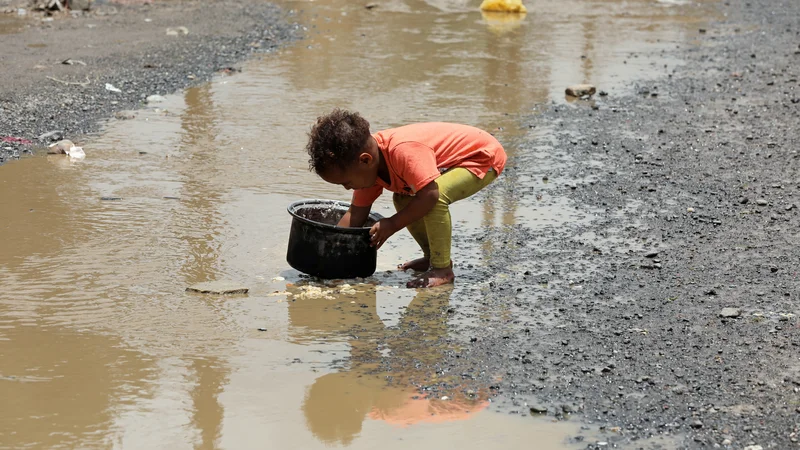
{"type": "Point", "coordinates": [319, 248]}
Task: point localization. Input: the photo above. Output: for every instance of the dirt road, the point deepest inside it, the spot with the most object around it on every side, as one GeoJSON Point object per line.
{"type": "Point", "coordinates": [62, 75]}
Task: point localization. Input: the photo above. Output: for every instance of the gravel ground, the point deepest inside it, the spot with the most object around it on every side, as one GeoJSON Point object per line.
{"type": "Point", "coordinates": [670, 310]}
{"type": "Point", "coordinates": [42, 99]}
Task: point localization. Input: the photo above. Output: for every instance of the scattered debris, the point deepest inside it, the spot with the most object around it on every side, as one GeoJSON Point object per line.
{"type": "Point", "coordinates": [112, 88]}
{"type": "Point", "coordinates": [72, 83]}
{"type": "Point", "coordinates": [16, 140]}
{"type": "Point", "coordinates": [60, 147]}
{"type": "Point", "coordinates": [507, 6]}
{"type": "Point", "coordinates": [177, 31]}
{"type": "Point", "coordinates": [581, 90]}
{"type": "Point", "coordinates": [155, 99]}
{"type": "Point", "coordinates": [51, 136]}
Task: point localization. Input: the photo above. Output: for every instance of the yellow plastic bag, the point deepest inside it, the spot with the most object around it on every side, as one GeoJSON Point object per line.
{"type": "Point", "coordinates": [508, 6]}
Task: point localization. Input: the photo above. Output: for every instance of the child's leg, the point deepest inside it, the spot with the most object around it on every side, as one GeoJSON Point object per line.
{"type": "Point", "coordinates": [419, 233]}
{"type": "Point", "coordinates": [454, 185]}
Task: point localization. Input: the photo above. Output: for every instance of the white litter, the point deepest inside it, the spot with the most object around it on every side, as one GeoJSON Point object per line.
{"type": "Point", "coordinates": [76, 153]}
{"type": "Point", "coordinates": [110, 87]}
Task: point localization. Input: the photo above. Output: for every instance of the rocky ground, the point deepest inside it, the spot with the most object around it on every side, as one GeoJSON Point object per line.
{"type": "Point", "coordinates": [60, 78]}
{"type": "Point", "coordinates": [673, 310]}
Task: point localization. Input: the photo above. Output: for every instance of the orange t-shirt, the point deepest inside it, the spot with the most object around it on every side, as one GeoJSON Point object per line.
{"type": "Point", "coordinates": [417, 154]}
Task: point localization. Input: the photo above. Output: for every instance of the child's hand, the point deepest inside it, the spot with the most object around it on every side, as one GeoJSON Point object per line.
{"type": "Point", "coordinates": [381, 231]}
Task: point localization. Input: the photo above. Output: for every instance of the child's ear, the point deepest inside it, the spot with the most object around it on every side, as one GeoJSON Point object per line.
{"type": "Point", "coordinates": [365, 158]}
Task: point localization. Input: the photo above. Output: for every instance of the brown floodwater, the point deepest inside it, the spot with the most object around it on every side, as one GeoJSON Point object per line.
{"type": "Point", "coordinates": [101, 347]}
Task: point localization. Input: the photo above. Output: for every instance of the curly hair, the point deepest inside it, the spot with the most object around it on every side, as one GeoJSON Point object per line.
{"type": "Point", "coordinates": [336, 140]}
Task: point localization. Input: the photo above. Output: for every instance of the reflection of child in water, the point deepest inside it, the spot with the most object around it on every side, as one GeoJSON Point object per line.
{"type": "Point", "coordinates": [337, 404]}
{"type": "Point", "coordinates": [428, 166]}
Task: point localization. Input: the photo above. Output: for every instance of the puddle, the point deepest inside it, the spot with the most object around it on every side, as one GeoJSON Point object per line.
{"type": "Point", "coordinates": [103, 348]}
{"type": "Point", "coordinates": [10, 24]}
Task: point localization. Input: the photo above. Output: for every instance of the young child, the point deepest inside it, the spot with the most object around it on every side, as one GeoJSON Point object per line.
{"type": "Point", "coordinates": [428, 166]}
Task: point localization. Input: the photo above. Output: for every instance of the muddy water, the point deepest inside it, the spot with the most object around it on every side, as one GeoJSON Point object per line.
{"type": "Point", "coordinates": [99, 343]}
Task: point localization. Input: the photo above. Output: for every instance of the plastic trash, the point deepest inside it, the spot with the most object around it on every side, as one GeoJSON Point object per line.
{"type": "Point", "coordinates": [76, 153]}
{"type": "Point", "coordinates": [508, 6]}
{"type": "Point", "coordinates": [110, 87]}
{"type": "Point", "coordinates": [60, 147]}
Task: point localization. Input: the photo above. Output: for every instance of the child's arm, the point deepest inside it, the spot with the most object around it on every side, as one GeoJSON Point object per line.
{"type": "Point", "coordinates": [356, 216]}
{"type": "Point", "coordinates": [424, 200]}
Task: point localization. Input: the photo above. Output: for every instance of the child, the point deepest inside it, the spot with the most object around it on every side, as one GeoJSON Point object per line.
{"type": "Point", "coordinates": [428, 166]}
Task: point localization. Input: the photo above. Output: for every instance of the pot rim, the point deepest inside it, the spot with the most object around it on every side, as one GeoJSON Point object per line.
{"type": "Point", "coordinates": [315, 201]}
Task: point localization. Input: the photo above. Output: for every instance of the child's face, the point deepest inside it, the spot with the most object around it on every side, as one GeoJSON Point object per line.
{"type": "Point", "coordinates": [358, 175]}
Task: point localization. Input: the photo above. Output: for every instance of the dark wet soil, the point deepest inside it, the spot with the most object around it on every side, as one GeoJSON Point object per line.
{"type": "Point", "coordinates": [693, 186]}
{"type": "Point", "coordinates": [43, 99]}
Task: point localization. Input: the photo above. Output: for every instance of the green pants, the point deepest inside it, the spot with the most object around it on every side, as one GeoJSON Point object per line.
{"type": "Point", "coordinates": [433, 232]}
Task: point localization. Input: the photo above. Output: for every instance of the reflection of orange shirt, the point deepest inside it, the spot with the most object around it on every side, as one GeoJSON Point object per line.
{"type": "Point", "coordinates": [429, 411]}
{"type": "Point", "coordinates": [416, 154]}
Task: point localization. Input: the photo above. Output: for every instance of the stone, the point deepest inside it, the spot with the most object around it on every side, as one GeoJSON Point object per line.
{"type": "Point", "coordinates": [744, 200]}
{"type": "Point", "coordinates": [125, 115]}
{"type": "Point", "coordinates": [371, 5]}
{"type": "Point", "coordinates": [580, 90]}
{"type": "Point", "coordinates": [730, 312]}
{"type": "Point", "coordinates": [761, 202]}
{"type": "Point", "coordinates": [218, 287]}
{"type": "Point", "coordinates": [754, 447]}
{"type": "Point", "coordinates": [538, 409]}
{"type": "Point", "coordinates": [697, 424]}
{"type": "Point", "coordinates": [727, 442]}
{"type": "Point", "coordinates": [156, 99]}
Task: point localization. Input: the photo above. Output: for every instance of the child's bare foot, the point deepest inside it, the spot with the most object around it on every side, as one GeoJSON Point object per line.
{"type": "Point", "coordinates": [417, 265]}
{"type": "Point", "coordinates": [433, 278]}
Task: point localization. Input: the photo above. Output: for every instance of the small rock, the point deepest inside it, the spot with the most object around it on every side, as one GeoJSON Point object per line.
{"type": "Point", "coordinates": [579, 90]}
{"type": "Point", "coordinates": [744, 200]}
{"type": "Point", "coordinates": [262, 329]}
{"type": "Point", "coordinates": [690, 209]}
{"type": "Point", "coordinates": [651, 255]}
{"type": "Point", "coordinates": [727, 442]}
{"type": "Point", "coordinates": [218, 287]}
{"type": "Point", "coordinates": [177, 31]}
{"type": "Point", "coordinates": [371, 5]}
{"type": "Point", "coordinates": [761, 202]}
{"type": "Point", "coordinates": [125, 115]}
{"type": "Point", "coordinates": [112, 88]}
{"type": "Point", "coordinates": [156, 99]}
{"type": "Point", "coordinates": [754, 447]}
{"type": "Point", "coordinates": [697, 424]}
{"type": "Point", "coordinates": [538, 409]}
{"type": "Point", "coordinates": [730, 312]}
